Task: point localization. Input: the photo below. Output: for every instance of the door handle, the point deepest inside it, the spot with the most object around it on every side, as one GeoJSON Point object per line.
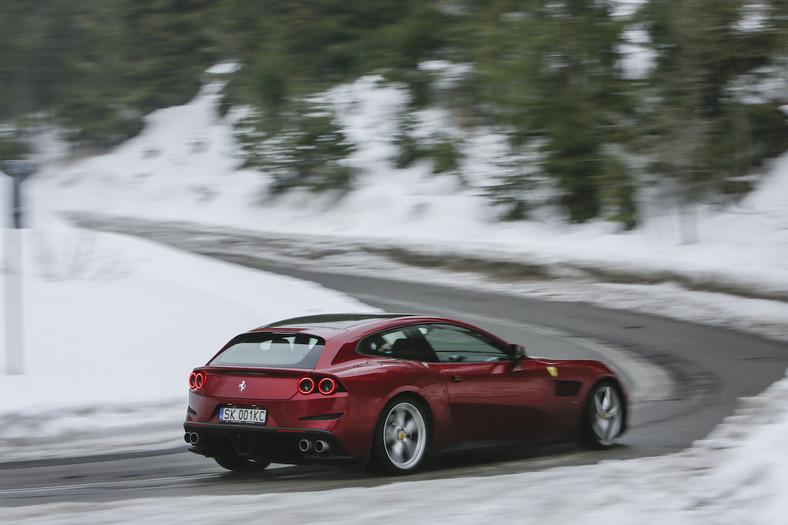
{"type": "Point", "coordinates": [455, 378]}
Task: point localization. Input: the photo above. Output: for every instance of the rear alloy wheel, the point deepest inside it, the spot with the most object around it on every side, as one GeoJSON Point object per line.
{"type": "Point", "coordinates": [604, 417]}
{"type": "Point", "coordinates": [401, 437]}
{"type": "Point", "coordinates": [239, 464]}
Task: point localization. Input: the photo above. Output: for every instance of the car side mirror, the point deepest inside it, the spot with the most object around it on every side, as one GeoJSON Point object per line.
{"type": "Point", "coordinates": [518, 351]}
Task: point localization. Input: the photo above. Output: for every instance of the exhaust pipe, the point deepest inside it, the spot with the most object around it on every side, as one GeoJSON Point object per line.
{"type": "Point", "coordinates": [192, 437]}
{"type": "Point", "coordinates": [321, 446]}
{"type": "Point", "coordinates": [304, 445]}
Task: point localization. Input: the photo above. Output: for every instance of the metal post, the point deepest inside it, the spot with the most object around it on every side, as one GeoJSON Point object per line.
{"type": "Point", "coordinates": [16, 199]}
{"type": "Point", "coordinates": [14, 324]}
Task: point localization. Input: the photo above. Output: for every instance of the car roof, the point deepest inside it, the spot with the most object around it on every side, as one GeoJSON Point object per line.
{"type": "Point", "coordinates": [328, 325]}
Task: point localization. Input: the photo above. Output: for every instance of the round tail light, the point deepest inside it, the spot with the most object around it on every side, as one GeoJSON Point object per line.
{"type": "Point", "coordinates": [197, 380]}
{"type": "Point", "coordinates": [306, 385]}
{"type": "Point", "coordinates": [327, 386]}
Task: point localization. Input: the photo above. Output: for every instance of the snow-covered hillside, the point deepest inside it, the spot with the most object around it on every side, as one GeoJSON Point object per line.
{"type": "Point", "coordinates": [183, 167]}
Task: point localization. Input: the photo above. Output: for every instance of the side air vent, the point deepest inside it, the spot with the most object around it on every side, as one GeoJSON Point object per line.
{"type": "Point", "coordinates": [323, 417]}
{"type": "Point", "coordinates": [567, 388]}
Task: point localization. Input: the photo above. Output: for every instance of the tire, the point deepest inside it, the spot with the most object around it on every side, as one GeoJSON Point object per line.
{"type": "Point", "coordinates": [603, 420]}
{"type": "Point", "coordinates": [239, 464]}
{"type": "Point", "coordinates": [401, 437]}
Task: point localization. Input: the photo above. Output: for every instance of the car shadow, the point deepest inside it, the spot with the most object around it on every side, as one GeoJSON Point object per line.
{"type": "Point", "coordinates": [480, 460]}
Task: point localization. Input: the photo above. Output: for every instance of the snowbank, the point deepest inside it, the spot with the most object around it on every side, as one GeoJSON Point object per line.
{"type": "Point", "coordinates": [114, 325]}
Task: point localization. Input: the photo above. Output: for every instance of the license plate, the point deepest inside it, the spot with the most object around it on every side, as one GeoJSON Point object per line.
{"type": "Point", "coordinates": [242, 415]}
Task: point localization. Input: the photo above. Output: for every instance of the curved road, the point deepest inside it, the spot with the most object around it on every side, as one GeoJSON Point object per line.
{"type": "Point", "coordinates": [709, 368]}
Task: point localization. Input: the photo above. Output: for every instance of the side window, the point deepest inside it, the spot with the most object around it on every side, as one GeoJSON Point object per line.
{"type": "Point", "coordinates": [458, 344]}
{"type": "Point", "coordinates": [395, 343]}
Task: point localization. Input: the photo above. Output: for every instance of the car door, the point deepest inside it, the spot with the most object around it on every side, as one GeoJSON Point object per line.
{"type": "Point", "coordinates": [491, 393]}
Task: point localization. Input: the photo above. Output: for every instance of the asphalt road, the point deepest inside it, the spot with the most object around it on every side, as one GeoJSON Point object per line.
{"type": "Point", "coordinates": [709, 368]}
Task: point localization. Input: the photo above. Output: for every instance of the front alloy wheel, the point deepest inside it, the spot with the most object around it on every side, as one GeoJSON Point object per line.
{"type": "Point", "coordinates": [604, 416]}
{"type": "Point", "coordinates": [401, 437]}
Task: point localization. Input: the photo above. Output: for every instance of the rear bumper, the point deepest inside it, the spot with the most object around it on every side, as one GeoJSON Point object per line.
{"type": "Point", "coordinates": [274, 444]}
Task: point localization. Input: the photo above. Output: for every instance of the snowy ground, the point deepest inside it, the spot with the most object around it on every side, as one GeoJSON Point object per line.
{"type": "Point", "coordinates": [111, 320]}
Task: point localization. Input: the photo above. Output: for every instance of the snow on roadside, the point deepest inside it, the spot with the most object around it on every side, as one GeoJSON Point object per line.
{"type": "Point", "coordinates": [114, 325]}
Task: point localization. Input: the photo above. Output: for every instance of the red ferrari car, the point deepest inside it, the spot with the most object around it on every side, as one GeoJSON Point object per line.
{"type": "Point", "coordinates": [387, 389]}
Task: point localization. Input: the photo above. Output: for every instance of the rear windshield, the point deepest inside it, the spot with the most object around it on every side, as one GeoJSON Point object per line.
{"type": "Point", "coordinates": [268, 350]}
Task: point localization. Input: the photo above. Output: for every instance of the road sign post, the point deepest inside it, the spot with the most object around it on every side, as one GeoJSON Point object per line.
{"type": "Point", "coordinates": [14, 321]}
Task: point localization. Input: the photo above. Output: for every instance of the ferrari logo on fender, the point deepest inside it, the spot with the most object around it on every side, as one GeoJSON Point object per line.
{"type": "Point", "coordinates": [242, 386]}
{"type": "Point", "coordinates": [553, 371]}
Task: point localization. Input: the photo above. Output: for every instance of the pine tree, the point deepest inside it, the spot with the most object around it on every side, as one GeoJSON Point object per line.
{"type": "Point", "coordinates": [309, 151]}
{"type": "Point", "coordinates": [703, 133]}
{"type": "Point", "coordinates": [551, 69]}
